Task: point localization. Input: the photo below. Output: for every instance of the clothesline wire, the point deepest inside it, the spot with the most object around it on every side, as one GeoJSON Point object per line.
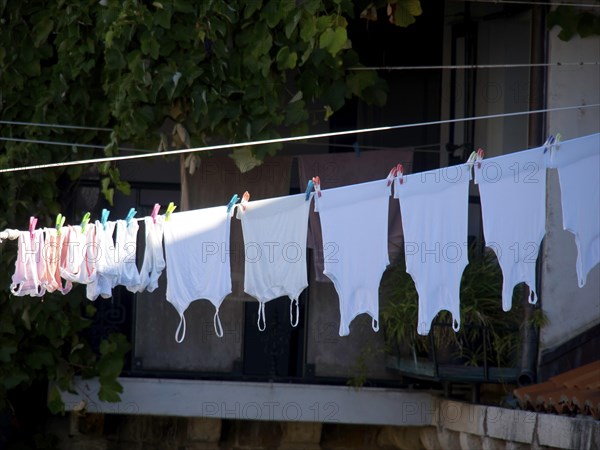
{"type": "Point", "coordinates": [68, 144]}
{"type": "Point", "coordinates": [528, 2]}
{"type": "Point", "coordinates": [436, 67]}
{"type": "Point", "coordinates": [53, 125]}
{"type": "Point", "coordinates": [479, 66]}
{"type": "Point", "coordinates": [288, 139]}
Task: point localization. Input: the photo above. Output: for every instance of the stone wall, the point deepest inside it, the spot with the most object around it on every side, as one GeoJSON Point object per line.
{"type": "Point", "coordinates": [454, 425]}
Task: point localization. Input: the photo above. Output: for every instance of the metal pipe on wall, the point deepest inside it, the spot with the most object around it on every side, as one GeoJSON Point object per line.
{"type": "Point", "coordinates": [536, 133]}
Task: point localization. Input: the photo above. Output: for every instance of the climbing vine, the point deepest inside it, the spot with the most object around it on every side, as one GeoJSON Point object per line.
{"type": "Point", "coordinates": [216, 71]}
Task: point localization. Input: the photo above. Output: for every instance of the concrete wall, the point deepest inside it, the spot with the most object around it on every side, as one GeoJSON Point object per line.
{"type": "Point", "coordinates": [571, 310]}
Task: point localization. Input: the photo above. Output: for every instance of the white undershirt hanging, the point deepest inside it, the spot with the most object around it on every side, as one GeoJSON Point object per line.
{"type": "Point", "coordinates": [434, 208]}
{"type": "Point", "coordinates": [512, 188]}
{"type": "Point", "coordinates": [198, 264]}
{"type": "Point", "coordinates": [354, 223]}
{"type": "Point", "coordinates": [578, 164]}
{"type": "Point", "coordinates": [275, 232]}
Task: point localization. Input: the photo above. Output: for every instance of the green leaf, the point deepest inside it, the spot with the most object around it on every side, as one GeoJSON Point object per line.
{"type": "Point", "coordinates": [405, 12]}
{"type": "Point", "coordinates": [55, 402]}
{"type": "Point", "coordinates": [295, 113]}
{"type": "Point", "coordinates": [41, 30]}
{"type": "Point", "coordinates": [292, 24]}
{"type": "Point", "coordinates": [244, 159]}
{"type": "Point", "coordinates": [162, 18]}
{"type": "Point", "coordinates": [286, 59]}
{"type": "Point", "coordinates": [149, 45]}
{"type": "Point", "coordinates": [14, 378]}
{"type": "Point", "coordinates": [335, 95]}
{"type": "Point", "coordinates": [333, 40]}
{"type": "Point", "coordinates": [308, 29]}
{"type": "Point", "coordinates": [251, 7]}
{"type": "Point", "coordinates": [588, 25]}
{"type": "Point", "coordinates": [359, 80]}
{"type": "Point", "coordinates": [109, 390]}
{"type": "Point", "coordinates": [566, 18]}
{"type": "Point", "coordinates": [272, 13]}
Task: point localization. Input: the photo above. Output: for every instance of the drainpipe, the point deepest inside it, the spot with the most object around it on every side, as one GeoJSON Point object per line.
{"type": "Point", "coordinates": [536, 135]}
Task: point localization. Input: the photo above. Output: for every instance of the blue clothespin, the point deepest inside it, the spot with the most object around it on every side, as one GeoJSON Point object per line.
{"type": "Point", "coordinates": [132, 212]}
{"type": "Point", "coordinates": [309, 187]}
{"type": "Point", "coordinates": [548, 143]}
{"type": "Point", "coordinates": [356, 148]}
{"type": "Point", "coordinates": [105, 213]}
{"type": "Point", "coordinates": [232, 202]}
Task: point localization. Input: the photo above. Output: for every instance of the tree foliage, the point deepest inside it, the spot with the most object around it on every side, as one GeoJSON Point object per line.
{"type": "Point", "coordinates": [228, 71]}
{"type": "Point", "coordinates": [573, 21]}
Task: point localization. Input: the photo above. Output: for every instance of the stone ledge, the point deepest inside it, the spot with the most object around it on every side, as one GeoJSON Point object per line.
{"type": "Point", "coordinates": [510, 424]}
{"type": "Point", "coordinates": [463, 417]}
{"type": "Point", "coordinates": [568, 432]}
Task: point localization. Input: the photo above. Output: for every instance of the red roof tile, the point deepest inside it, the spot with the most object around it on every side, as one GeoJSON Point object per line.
{"type": "Point", "coordinates": [574, 392]}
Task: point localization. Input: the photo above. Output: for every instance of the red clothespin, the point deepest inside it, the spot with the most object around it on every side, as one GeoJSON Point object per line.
{"type": "Point", "coordinates": [392, 175]}
{"type": "Point", "coordinates": [480, 155]}
{"type": "Point", "coordinates": [245, 199]}
{"type": "Point", "coordinates": [317, 183]}
{"type": "Point", "coordinates": [400, 173]}
{"type": "Point", "coordinates": [32, 223]}
{"type": "Point", "coordinates": [155, 211]}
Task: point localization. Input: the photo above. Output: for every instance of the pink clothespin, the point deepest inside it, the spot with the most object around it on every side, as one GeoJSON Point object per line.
{"type": "Point", "coordinates": [32, 223]}
{"type": "Point", "coordinates": [317, 183]}
{"type": "Point", "coordinates": [155, 211]}
{"type": "Point", "coordinates": [245, 199]}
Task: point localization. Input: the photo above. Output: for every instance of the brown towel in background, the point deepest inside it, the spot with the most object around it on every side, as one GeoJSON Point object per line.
{"type": "Point", "coordinates": [217, 180]}
{"type": "Point", "coordinates": [342, 169]}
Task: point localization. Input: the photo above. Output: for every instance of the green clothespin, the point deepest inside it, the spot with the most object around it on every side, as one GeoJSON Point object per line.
{"type": "Point", "coordinates": [60, 221]}
{"type": "Point", "coordinates": [85, 221]}
{"type": "Point", "coordinates": [170, 209]}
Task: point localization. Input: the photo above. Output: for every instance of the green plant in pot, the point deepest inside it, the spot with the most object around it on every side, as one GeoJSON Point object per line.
{"type": "Point", "coordinates": [487, 332]}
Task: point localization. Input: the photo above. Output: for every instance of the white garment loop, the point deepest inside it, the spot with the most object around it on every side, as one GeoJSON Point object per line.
{"type": "Point", "coordinates": [532, 298]}
{"type": "Point", "coordinates": [375, 324]}
{"type": "Point", "coordinates": [261, 314]}
{"type": "Point", "coordinates": [217, 322]}
{"type": "Point", "coordinates": [292, 301]}
{"type": "Point", "coordinates": [455, 325]}
{"type": "Point", "coordinates": [181, 322]}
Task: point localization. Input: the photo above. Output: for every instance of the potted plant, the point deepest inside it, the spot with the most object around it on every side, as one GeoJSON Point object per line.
{"type": "Point", "coordinates": [488, 337]}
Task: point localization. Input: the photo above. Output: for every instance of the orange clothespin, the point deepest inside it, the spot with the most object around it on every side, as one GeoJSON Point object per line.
{"type": "Point", "coordinates": [32, 224]}
{"type": "Point", "coordinates": [245, 199]}
{"type": "Point", "coordinates": [317, 184]}
{"type": "Point", "coordinates": [155, 211]}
